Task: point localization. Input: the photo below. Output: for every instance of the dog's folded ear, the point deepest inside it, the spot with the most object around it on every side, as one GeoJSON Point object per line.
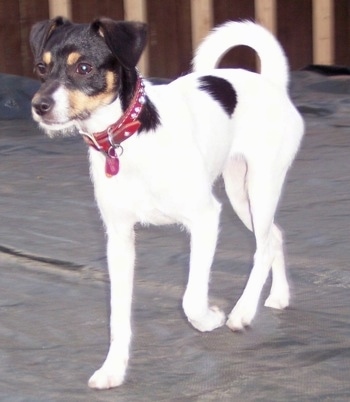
{"type": "Point", "coordinates": [41, 32]}
{"type": "Point", "coordinates": [125, 39]}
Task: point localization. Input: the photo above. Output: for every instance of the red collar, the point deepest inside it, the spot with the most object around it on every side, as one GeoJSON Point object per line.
{"type": "Point", "coordinates": [109, 140]}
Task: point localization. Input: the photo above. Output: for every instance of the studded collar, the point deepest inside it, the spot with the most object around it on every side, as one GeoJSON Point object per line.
{"type": "Point", "coordinates": [109, 141]}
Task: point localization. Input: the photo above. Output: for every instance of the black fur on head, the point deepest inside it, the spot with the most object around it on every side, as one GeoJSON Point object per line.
{"type": "Point", "coordinates": [41, 32]}
{"type": "Point", "coordinates": [126, 40]}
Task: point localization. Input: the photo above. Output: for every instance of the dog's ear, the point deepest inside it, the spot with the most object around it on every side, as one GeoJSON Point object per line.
{"type": "Point", "coordinates": [125, 39]}
{"type": "Point", "coordinates": [41, 32]}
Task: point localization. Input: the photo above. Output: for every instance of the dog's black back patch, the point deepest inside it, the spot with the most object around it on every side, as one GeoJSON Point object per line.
{"type": "Point", "coordinates": [220, 90]}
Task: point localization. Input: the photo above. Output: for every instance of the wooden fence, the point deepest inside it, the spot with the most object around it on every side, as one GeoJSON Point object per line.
{"type": "Point", "coordinates": [311, 31]}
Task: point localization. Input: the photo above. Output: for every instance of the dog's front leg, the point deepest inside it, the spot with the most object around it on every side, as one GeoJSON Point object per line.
{"type": "Point", "coordinates": [204, 228]}
{"type": "Point", "coordinates": [121, 259]}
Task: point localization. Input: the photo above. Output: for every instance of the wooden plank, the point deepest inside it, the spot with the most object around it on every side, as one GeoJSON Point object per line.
{"type": "Point", "coordinates": [235, 10]}
{"type": "Point", "coordinates": [60, 8]}
{"type": "Point", "coordinates": [296, 39]}
{"type": "Point", "coordinates": [323, 31]}
{"type": "Point", "coordinates": [265, 14]}
{"type": "Point", "coordinates": [201, 19]}
{"type": "Point", "coordinates": [170, 45]}
{"type": "Point", "coordinates": [10, 38]}
{"type": "Point", "coordinates": [342, 32]}
{"type": "Point", "coordinates": [136, 10]}
{"type": "Point", "coordinates": [84, 11]}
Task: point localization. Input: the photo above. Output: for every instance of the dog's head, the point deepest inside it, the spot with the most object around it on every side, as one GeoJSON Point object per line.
{"type": "Point", "coordinates": [83, 67]}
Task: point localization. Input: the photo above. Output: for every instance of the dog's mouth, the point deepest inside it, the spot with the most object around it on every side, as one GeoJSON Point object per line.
{"type": "Point", "coordinates": [50, 110]}
{"type": "Point", "coordinates": [53, 124]}
{"type": "Point", "coordinates": [53, 129]}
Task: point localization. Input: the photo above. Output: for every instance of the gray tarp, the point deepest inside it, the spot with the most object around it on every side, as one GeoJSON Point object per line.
{"type": "Point", "coordinates": [54, 315]}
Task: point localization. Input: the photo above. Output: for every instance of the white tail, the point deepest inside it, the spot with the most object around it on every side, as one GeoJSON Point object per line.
{"type": "Point", "coordinates": [274, 64]}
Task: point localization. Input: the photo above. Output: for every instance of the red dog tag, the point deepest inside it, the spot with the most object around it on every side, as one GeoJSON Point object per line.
{"type": "Point", "coordinates": [112, 166]}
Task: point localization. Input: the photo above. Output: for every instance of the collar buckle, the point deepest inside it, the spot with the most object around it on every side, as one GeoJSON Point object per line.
{"type": "Point", "coordinates": [92, 141]}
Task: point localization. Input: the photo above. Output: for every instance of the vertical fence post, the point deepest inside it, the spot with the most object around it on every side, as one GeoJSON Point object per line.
{"type": "Point", "coordinates": [201, 20]}
{"type": "Point", "coordinates": [265, 14]}
{"type": "Point", "coordinates": [323, 31]}
{"type": "Point", "coordinates": [136, 10]}
{"type": "Point", "coordinates": [61, 8]}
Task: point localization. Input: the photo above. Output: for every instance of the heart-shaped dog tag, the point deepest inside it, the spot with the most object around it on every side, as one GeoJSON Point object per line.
{"type": "Point", "coordinates": [112, 166]}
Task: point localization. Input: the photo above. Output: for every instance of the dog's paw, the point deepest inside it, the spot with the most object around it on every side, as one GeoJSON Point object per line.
{"type": "Point", "coordinates": [278, 301]}
{"type": "Point", "coordinates": [214, 318]}
{"type": "Point", "coordinates": [105, 379]}
{"type": "Point", "coordinates": [241, 316]}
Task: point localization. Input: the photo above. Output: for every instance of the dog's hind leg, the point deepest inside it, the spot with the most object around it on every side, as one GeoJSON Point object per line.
{"type": "Point", "coordinates": [121, 259]}
{"type": "Point", "coordinates": [203, 226]}
{"type": "Point", "coordinates": [279, 294]}
{"type": "Point", "coordinates": [235, 175]}
{"type": "Point", "coordinates": [254, 197]}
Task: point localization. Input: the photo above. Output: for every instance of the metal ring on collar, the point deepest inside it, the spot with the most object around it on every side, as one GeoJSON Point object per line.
{"type": "Point", "coordinates": [115, 151]}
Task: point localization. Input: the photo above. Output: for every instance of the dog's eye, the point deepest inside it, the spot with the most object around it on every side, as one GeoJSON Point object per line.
{"type": "Point", "coordinates": [83, 68]}
{"type": "Point", "coordinates": [41, 68]}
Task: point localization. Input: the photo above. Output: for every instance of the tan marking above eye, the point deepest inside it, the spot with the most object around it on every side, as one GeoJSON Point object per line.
{"type": "Point", "coordinates": [47, 57]}
{"type": "Point", "coordinates": [73, 58]}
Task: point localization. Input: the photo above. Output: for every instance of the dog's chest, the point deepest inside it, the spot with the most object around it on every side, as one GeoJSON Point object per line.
{"type": "Point", "coordinates": [140, 196]}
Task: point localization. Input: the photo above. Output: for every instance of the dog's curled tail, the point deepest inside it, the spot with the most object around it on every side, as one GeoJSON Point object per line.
{"type": "Point", "coordinates": [274, 65]}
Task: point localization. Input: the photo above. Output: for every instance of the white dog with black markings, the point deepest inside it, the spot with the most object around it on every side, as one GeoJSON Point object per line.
{"type": "Point", "coordinates": [155, 152]}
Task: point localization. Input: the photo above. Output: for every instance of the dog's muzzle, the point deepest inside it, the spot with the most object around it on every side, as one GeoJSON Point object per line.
{"type": "Point", "coordinates": [50, 104]}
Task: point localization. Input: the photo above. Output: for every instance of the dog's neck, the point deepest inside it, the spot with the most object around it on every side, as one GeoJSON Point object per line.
{"type": "Point", "coordinates": [107, 115]}
{"type": "Point", "coordinates": [105, 122]}
{"type": "Point", "coordinates": [103, 117]}
{"type": "Point", "coordinates": [108, 140]}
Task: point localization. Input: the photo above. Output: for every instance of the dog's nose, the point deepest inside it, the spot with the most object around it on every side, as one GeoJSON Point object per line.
{"type": "Point", "coordinates": [42, 105]}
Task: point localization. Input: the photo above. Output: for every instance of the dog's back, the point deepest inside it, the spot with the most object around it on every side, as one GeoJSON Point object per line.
{"type": "Point", "coordinates": [234, 111]}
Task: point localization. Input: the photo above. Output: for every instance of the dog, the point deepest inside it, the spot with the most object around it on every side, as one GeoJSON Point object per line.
{"type": "Point", "coordinates": [156, 150]}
